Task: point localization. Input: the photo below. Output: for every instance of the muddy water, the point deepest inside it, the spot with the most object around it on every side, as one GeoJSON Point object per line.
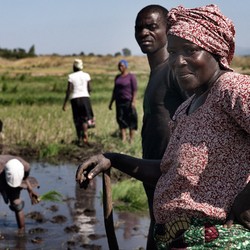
{"type": "Point", "coordinates": [75, 223]}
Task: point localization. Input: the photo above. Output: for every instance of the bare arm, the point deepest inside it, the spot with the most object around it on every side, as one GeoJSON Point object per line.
{"type": "Point", "coordinates": [111, 100]}
{"type": "Point", "coordinates": [34, 197]}
{"type": "Point", "coordinates": [68, 91]}
{"type": "Point", "coordinates": [134, 99]}
{"type": "Point", "coordinates": [89, 86]}
{"type": "Point", "coordinates": [144, 170]}
{"type": "Point", "coordinates": [112, 97]}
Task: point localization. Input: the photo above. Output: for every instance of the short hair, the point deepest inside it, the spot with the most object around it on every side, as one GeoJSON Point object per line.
{"type": "Point", "coordinates": [155, 8]}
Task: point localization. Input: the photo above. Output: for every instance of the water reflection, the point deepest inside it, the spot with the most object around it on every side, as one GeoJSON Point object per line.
{"type": "Point", "coordinates": [84, 212]}
{"type": "Point", "coordinates": [84, 225]}
{"type": "Point", "coordinates": [131, 224]}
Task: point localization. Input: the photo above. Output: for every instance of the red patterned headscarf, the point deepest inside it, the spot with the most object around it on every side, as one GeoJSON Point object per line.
{"type": "Point", "coordinates": [207, 27]}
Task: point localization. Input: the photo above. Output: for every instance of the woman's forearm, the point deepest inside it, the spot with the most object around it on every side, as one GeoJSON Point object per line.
{"type": "Point", "coordinates": [147, 171]}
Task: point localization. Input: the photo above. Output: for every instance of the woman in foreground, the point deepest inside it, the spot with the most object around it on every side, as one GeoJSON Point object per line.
{"type": "Point", "coordinates": [207, 161]}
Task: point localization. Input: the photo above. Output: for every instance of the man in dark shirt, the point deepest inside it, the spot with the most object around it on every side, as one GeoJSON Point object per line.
{"type": "Point", "coordinates": [162, 95]}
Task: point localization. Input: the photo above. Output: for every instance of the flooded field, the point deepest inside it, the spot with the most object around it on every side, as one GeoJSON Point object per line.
{"type": "Point", "coordinates": [75, 223]}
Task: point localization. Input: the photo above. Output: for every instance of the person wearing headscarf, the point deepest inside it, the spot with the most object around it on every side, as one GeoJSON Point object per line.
{"type": "Point", "coordinates": [205, 171]}
{"type": "Point", "coordinates": [78, 91]}
{"type": "Point", "coordinates": [14, 176]}
{"type": "Point", "coordinates": [207, 162]}
{"type": "Point", "coordinates": [124, 95]}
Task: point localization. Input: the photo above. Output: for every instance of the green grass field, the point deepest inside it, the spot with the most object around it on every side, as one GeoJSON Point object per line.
{"type": "Point", "coordinates": [32, 92]}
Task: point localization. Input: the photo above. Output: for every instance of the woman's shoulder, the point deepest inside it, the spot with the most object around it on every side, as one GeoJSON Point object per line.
{"type": "Point", "coordinates": [233, 82]}
{"type": "Point", "coordinates": [79, 74]}
{"type": "Point", "coordinates": [132, 75]}
{"type": "Point", "coordinates": [231, 92]}
{"type": "Point", "coordinates": [234, 78]}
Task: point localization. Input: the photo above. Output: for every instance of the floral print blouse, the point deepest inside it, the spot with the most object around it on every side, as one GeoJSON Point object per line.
{"type": "Point", "coordinates": [207, 161]}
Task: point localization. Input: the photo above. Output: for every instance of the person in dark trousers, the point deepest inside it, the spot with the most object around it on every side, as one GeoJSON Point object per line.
{"type": "Point", "coordinates": [78, 91]}
{"type": "Point", "coordinates": [162, 95]}
{"type": "Point", "coordinates": [124, 95]}
{"type": "Point", "coordinates": [14, 176]}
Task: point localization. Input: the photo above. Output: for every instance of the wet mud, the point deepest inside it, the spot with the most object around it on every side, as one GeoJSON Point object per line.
{"type": "Point", "coordinates": [74, 223]}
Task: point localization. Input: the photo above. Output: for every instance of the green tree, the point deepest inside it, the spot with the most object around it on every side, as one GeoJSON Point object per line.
{"type": "Point", "coordinates": [117, 54]}
{"type": "Point", "coordinates": [31, 52]}
{"type": "Point", "coordinates": [126, 52]}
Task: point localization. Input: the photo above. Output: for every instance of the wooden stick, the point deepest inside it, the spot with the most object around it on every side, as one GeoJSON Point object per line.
{"type": "Point", "coordinates": [108, 211]}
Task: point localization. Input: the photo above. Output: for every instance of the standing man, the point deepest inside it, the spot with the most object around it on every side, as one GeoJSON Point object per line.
{"type": "Point", "coordinates": [162, 95]}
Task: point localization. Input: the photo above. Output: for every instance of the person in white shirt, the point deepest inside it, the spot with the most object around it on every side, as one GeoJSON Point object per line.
{"type": "Point", "coordinates": [78, 91]}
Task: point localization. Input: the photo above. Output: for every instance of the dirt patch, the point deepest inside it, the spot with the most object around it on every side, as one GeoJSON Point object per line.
{"type": "Point", "coordinates": [37, 216]}
{"type": "Point", "coordinates": [59, 219]}
{"type": "Point", "coordinates": [67, 153]}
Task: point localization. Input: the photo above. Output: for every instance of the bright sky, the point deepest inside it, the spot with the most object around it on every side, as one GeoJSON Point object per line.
{"type": "Point", "coordinates": [93, 26]}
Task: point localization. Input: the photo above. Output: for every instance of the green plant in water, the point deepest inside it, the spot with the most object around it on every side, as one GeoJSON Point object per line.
{"type": "Point", "coordinates": [51, 196]}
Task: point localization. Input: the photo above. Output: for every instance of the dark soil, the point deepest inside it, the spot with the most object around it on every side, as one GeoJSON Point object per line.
{"type": "Point", "coordinates": [67, 153]}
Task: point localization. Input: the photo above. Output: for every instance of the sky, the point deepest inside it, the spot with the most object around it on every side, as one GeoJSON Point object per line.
{"type": "Point", "coordinates": [94, 26]}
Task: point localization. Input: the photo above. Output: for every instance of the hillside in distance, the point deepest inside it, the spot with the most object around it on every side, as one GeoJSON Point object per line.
{"type": "Point", "coordinates": [62, 65]}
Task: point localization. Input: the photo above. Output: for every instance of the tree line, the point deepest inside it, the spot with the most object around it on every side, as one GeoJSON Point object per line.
{"type": "Point", "coordinates": [18, 53]}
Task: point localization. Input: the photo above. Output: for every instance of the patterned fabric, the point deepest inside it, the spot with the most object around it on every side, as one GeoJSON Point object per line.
{"type": "Point", "coordinates": [197, 234]}
{"type": "Point", "coordinates": [207, 161]}
{"type": "Point", "coordinates": [207, 27]}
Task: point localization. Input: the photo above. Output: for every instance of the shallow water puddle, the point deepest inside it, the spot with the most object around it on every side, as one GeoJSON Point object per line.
{"type": "Point", "coordinates": [75, 223]}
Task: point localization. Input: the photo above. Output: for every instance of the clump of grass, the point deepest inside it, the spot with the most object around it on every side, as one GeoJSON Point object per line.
{"type": "Point", "coordinates": [129, 195]}
{"type": "Point", "coordinates": [49, 150]}
{"type": "Point", "coordinates": [4, 87]}
{"type": "Point", "coordinates": [52, 195]}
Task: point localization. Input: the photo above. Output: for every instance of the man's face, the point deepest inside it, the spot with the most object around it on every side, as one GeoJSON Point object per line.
{"type": "Point", "coordinates": [150, 32]}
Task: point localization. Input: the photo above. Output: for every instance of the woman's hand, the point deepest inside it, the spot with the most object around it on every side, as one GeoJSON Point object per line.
{"type": "Point", "coordinates": [240, 211]}
{"type": "Point", "coordinates": [64, 107]}
{"type": "Point", "coordinates": [90, 168]}
{"type": "Point", "coordinates": [110, 106]}
{"type": "Point", "coordinates": [133, 105]}
{"type": "Point", "coordinates": [34, 197]}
